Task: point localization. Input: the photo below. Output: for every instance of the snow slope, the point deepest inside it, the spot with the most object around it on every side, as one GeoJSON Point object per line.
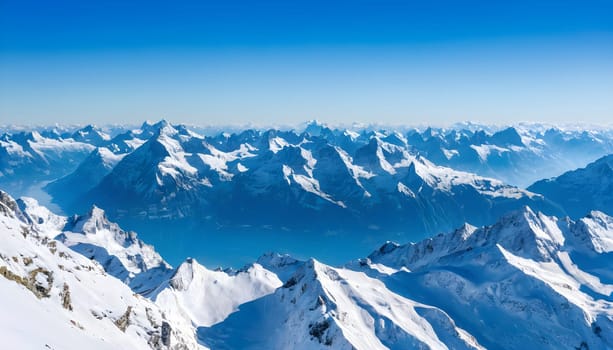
{"type": "Point", "coordinates": [321, 307]}
{"type": "Point", "coordinates": [207, 297]}
{"type": "Point", "coordinates": [54, 298]}
{"type": "Point", "coordinates": [523, 283]}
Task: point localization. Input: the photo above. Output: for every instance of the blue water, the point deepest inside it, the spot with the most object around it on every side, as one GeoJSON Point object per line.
{"type": "Point", "coordinates": [237, 247]}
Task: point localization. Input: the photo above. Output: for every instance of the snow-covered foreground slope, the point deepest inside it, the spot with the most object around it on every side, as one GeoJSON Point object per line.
{"type": "Point", "coordinates": [582, 190]}
{"type": "Point", "coordinates": [54, 298]}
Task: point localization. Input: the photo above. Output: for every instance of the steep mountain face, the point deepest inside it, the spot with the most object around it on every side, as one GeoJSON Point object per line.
{"type": "Point", "coordinates": [329, 181]}
{"type": "Point", "coordinates": [55, 298]}
{"type": "Point", "coordinates": [528, 282]}
{"type": "Point", "coordinates": [321, 307]}
{"type": "Point", "coordinates": [121, 253]}
{"type": "Point", "coordinates": [154, 174]}
{"type": "Point", "coordinates": [513, 283]}
{"type": "Point", "coordinates": [581, 190]}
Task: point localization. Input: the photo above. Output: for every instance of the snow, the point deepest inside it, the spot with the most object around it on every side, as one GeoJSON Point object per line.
{"type": "Point", "coordinates": [178, 172]}
{"type": "Point", "coordinates": [96, 301]}
{"type": "Point", "coordinates": [135, 143]}
{"type": "Point", "coordinates": [94, 229]}
{"type": "Point", "coordinates": [446, 179]}
{"type": "Point", "coordinates": [556, 278]}
{"type": "Point", "coordinates": [450, 153]}
{"type": "Point", "coordinates": [356, 170]}
{"type": "Point", "coordinates": [518, 277]}
{"type": "Point", "coordinates": [218, 160]}
{"type": "Point", "coordinates": [484, 151]}
{"type": "Point", "coordinates": [14, 149]}
{"type": "Point", "coordinates": [276, 144]}
{"type": "Point", "coordinates": [241, 168]}
{"type": "Point", "coordinates": [599, 230]}
{"type": "Point", "coordinates": [36, 324]}
{"type": "Point", "coordinates": [216, 163]}
{"type": "Point", "coordinates": [206, 297]}
{"type": "Point", "coordinates": [516, 284]}
{"type": "Point", "coordinates": [340, 309]}
{"type": "Point", "coordinates": [402, 188]}
{"type": "Point", "coordinates": [308, 184]}
{"type": "Point", "coordinates": [176, 165]}
{"type": "Point", "coordinates": [385, 165]}
{"type": "Point", "coordinates": [529, 281]}
{"type": "Point", "coordinates": [48, 223]}
{"type": "Point", "coordinates": [43, 145]}
{"type": "Point", "coordinates": [109, 158]}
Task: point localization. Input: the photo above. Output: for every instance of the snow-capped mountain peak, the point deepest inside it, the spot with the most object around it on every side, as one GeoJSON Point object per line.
{"type": "Point", "coordinates": [339, 308]}
{"type": "Point", "coordinates": [121, 253]}
{"type": "Point", "coordinates": [206, 297]}
{"type": "Point", "coordinates": [594, 232]}
{"type": "Point", "coordinates": [524, 232]}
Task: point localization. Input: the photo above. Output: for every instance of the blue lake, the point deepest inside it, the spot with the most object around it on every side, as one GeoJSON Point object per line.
{"type": "Point", "coordinates": [237, 247]}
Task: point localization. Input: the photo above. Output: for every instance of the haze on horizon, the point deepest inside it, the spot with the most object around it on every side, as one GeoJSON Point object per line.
{"type": "Point", "coordinates": [205, 62]}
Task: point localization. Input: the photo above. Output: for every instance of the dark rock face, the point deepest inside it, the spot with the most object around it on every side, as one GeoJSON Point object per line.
{"type": "Point", "coordinates": [165, 333]}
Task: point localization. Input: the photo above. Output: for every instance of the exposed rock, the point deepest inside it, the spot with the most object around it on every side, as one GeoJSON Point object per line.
{"type": "Point", "coordinates": [40, 286]}
{"type": "Point", "coordinates": [166, 330]}
{"type": "Point", "coordinates": [65, 295]}
{"type": "Point", "coordinates": [123, 322]}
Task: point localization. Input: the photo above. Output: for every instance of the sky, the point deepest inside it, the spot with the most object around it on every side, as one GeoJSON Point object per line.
{"type": "Point", "coordinates": [266, 62]}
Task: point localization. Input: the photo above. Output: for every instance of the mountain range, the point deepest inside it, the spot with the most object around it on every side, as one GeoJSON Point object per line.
{"type": "Point", "coordinates": [529, 281]}
{"type": "Point", "coordinates": [287, 179]}
{"type": "Point", "coordinates": [354, 187]}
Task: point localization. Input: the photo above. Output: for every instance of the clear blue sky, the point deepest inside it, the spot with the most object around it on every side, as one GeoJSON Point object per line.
{"type": "Point", "coordinates": [288, 61]}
